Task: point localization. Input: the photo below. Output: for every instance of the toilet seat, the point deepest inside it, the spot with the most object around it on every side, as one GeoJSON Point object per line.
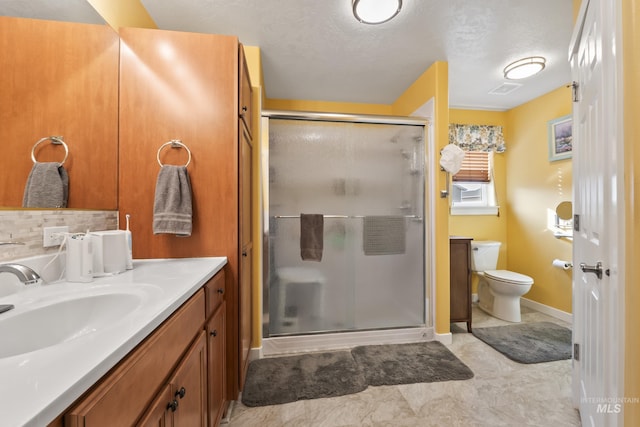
{"type": "Point", "coordinates": [510, 277]}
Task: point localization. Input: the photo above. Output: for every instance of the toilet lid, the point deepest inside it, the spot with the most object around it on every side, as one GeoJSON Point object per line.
{"type": "Point", "coordinates": [509, 276]}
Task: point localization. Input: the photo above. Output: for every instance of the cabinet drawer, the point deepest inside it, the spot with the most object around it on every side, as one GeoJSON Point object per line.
{"type": "Point", "coordinates": [123, 394]}
{"type": "Point", "coordinates": [215, 289]}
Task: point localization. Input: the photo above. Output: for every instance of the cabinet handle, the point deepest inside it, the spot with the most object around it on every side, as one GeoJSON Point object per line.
{"type": "Point", "coordinates": [244, 253]}
{"type": "Point", "coordinates": [173, 405]}
{"type": "Point", "coordinates": [244, 108]}
{"type": "Point", "coordinates": [214, 333]}
{"type": "Point", "coordinates": [220, 291]}
{"type": "Point", "coordinates": [180, 393]}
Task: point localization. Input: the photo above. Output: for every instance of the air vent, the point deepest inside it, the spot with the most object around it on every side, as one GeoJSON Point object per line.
{"type": "Point", "coordinates": [505, 88]}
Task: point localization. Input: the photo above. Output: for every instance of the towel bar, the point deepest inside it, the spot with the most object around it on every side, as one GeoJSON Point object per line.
{"type": "Point", "coordinates": [55, 140]}
{"type": "Point", "coordinates": [175, 143]}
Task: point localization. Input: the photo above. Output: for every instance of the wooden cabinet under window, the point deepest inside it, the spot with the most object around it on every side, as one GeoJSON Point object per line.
{"type": "Point", "coordinates": [460, 280]}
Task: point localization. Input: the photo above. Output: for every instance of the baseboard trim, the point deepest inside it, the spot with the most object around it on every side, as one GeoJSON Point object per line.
{"type": "Point", "coordinates": [474, 298]}
{"type": "Point", "coordinates": [343, 340]}
{"type": "Point", "coordinates": [551, 311]}
{"type": "Point", "coordinates": [445, 339]}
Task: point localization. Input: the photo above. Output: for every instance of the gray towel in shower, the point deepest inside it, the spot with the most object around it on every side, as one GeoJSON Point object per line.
{"type": "Point", "coordinates": [384, 235]}
{"type": "Point", "coordinates": [172, 209]}
{"type": "Point", "coordinates": [311, 236]}
{"type": "Point", "coordinates": [47, 186]}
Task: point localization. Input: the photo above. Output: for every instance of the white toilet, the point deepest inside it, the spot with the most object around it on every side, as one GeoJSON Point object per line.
{"type": "Point", "coordinates": [499, 291]}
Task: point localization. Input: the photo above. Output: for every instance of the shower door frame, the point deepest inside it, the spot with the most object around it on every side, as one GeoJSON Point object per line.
{"type": "Point", "coordinates": [429, 176]}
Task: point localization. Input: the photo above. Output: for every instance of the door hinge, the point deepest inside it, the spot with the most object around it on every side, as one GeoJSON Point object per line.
{"type": "Point", "coordinates": [574, 91]}
{"type": "Point", "coordinates": [576, 222]}
{"type": "Point", "coordinates": [576, 351]}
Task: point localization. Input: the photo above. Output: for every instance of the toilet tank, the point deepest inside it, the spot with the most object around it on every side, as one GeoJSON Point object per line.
{"type": "Point", "coordinates": [484, 255]}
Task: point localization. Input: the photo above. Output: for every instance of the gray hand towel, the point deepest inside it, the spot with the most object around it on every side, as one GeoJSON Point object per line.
{"type": "Point", "coordinates": [172, 209]}
{"type": "Point", "coordinates": [47, 186]}
{"type": "Point", "coordinates": [311, 236]}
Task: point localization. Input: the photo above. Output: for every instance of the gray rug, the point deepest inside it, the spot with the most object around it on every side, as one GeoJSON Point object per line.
{"type": "Point", "coordinates": [528, 342]}
{"type": "Point", "coordinates": [276, 380]}
{"type": "Point", "coordinates": [422, 362]}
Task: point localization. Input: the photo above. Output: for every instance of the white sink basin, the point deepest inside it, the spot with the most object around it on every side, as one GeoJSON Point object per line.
{"type": "Point", "coordinates": [37, 324]}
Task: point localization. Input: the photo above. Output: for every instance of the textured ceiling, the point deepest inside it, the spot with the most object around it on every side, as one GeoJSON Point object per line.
{"type": "Point", "coordinates": [316, 50]}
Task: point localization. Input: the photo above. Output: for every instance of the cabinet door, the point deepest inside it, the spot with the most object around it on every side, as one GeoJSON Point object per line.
{"type": "Point", "coordinates": [159, 413]}
{"type": "Point", "coordinates": [189, 387]}
{"type": "Point", "coordinates": [460, 281]}
{"type": "Point", "coordinates": [245, 311]}
{"type": "Point", "coordinates": [216, 367]}
{"type": "Point", "coordinates": [246, 172]}
{"type": "Point", "coordinates": [245, 108]}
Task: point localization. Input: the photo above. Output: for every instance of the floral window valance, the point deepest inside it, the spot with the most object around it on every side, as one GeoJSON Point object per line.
{"type": "Point", "coordinates": [477, 137]}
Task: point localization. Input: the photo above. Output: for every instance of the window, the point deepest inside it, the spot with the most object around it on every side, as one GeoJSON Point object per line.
{"type": "Point", "coordinates": [473, 191]}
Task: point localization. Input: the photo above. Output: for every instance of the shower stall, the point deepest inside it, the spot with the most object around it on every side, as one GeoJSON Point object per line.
{"type": "Point", "coordinates": [364, 178]}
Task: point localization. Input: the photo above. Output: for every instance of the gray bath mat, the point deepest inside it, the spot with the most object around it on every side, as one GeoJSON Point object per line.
{"type": "Point", "coordinates": [528, 342]}
{"type": "Point", "coordinates": [276, 380]}
{"type": "Point", "coordinates": [409, 363]}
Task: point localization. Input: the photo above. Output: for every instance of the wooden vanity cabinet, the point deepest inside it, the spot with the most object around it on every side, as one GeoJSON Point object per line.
{"type": "Point", "coordinates": [460, 280]}
{"type": "Point", "coordinates": [175, 377]}
{"type": "Point", "coordinates": [123, 395]}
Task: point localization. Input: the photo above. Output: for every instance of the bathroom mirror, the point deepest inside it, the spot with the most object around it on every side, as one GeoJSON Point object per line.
{"type": "Point", "coordinates": [564, 211]}
{"type": "Point", "coordinates": [59, 79]}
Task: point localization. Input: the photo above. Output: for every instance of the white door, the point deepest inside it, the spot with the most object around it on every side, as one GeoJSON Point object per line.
{"type": "Point", "coordinates": [595, 299]}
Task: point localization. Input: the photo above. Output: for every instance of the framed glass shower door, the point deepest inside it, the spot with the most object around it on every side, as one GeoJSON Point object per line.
{"type": "Point", "coordinates": [366, 181]}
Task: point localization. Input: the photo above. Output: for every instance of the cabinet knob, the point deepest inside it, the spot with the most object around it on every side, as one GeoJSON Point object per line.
{"type": "Point", "coordinates": [244, 108]}
{"type": "Point", "coordinates": [180, 393]}
{"type": "Point", "coordinates": [244, 253]}
{"type": "Point", "coordinates": [173, 405]}
{"type": "Point", "coordinates": [214, 333]}
{"type": "Point", "coordinates": [220, 291]}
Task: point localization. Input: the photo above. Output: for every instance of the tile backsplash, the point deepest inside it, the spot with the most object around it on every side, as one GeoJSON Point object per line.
{"type": "Point", "coordinates": [25, 226]}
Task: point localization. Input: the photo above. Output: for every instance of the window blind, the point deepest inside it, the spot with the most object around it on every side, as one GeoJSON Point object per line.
{"type": "Point", "coordinates": [476, 167]}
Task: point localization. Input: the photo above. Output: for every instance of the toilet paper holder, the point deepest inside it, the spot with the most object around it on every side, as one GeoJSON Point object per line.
{"type": "Point", "coordinates": [559, 263]}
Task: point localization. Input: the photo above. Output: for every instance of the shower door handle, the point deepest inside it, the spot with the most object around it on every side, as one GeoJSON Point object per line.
{"type": "Point", "coordinates": [595, 269]}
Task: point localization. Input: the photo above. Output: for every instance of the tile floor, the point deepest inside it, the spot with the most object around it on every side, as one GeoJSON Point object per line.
{"type": "Point", "coordinates": [502, 393]}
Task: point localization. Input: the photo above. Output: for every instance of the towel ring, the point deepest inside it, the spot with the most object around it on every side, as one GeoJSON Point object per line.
{"type": "Point", "coordinates": [175, 143]}
{"type": "Point", "coordinates": [55, 140]}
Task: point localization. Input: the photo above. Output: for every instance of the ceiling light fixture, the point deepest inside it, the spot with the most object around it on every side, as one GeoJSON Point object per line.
{"type": "Point", "coordinates": [523, 68]}
{"type": "Point", "coordinates": [375, 11]}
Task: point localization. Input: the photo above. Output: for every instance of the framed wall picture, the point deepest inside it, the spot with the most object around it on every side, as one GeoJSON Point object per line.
{"type": "Point", "coordinates": [560, 138]}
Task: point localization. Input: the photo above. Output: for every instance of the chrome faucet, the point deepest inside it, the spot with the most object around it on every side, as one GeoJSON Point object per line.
{"type": "Point", "coordinates": [25, 274]}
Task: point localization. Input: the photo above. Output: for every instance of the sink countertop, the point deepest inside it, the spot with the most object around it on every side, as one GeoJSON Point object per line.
{"type": "Point", "coordinates": [40, 385]}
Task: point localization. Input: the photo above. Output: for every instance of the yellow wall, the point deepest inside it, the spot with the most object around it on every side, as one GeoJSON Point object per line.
{"type": "Point", "coordinates": [534, 186]}
{"type": "Point", "coordinates": [434, 84]}
{"type": "Point", "coordinates": [631, 60]}
{"type": "Point", "coordinates": [123, 13]}
{"type": "Point", "coordinates": [486, 227]}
